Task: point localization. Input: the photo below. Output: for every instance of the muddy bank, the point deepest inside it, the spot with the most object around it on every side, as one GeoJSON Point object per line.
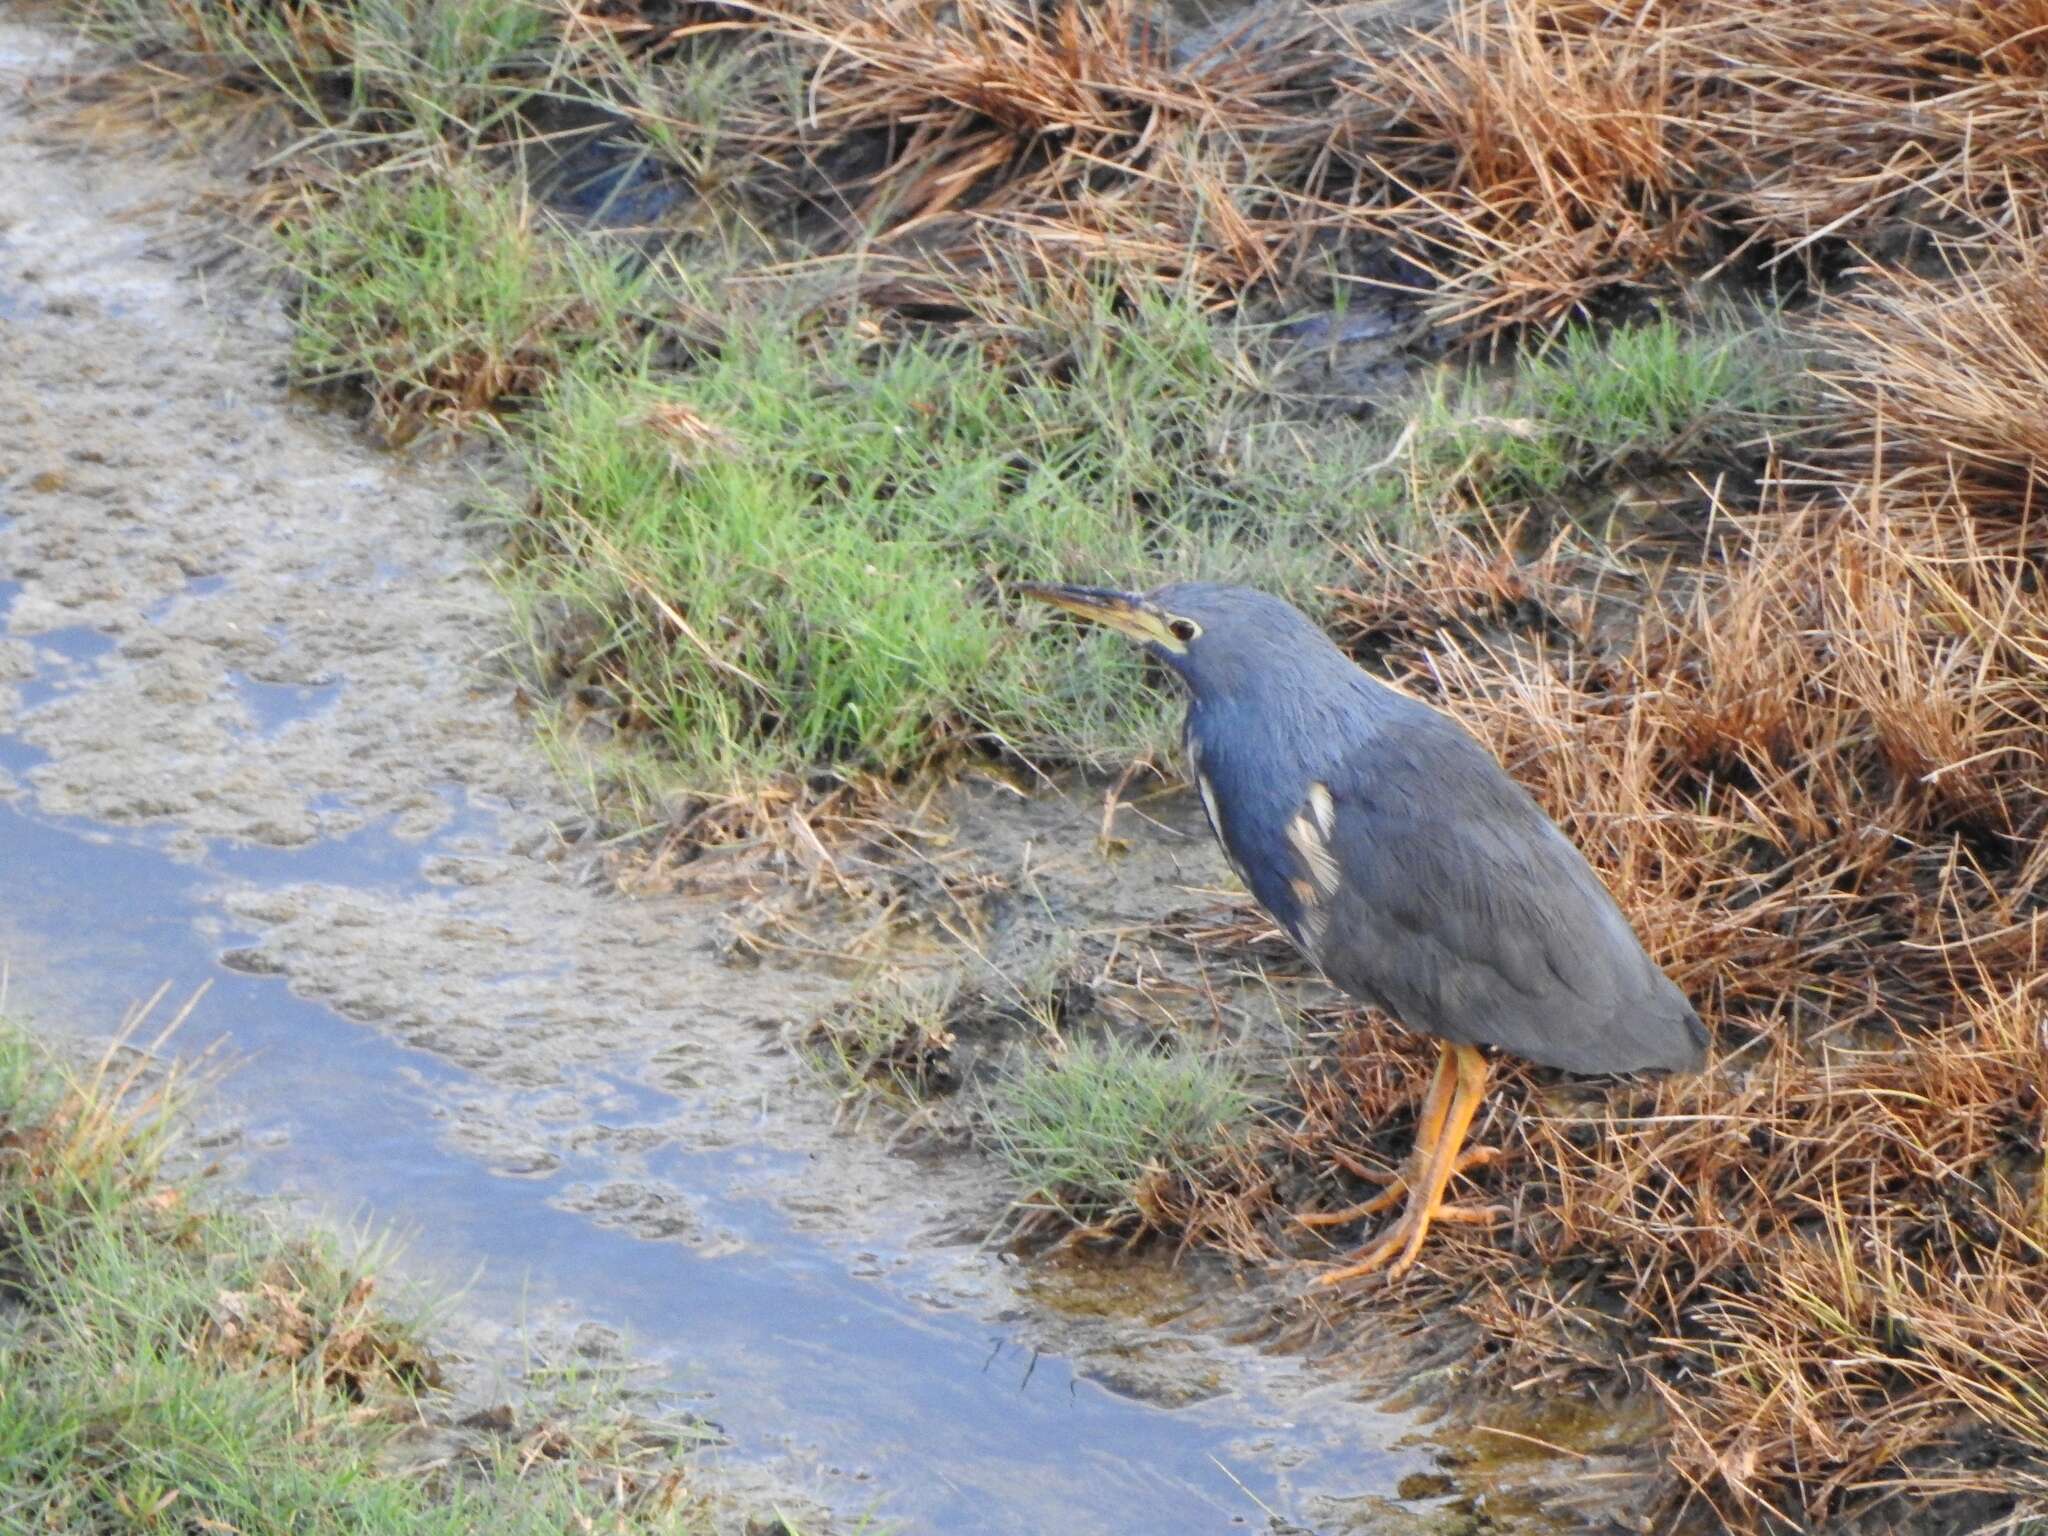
{"type": "Point", "coordinates": [254, 736]}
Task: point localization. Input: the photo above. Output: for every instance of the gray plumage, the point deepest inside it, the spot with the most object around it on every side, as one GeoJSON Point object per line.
{"type": "Point", "coordinates": [1402, 857]}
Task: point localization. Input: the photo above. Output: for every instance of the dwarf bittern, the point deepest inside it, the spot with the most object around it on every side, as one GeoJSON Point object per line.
{"type": "Point", "coordinates": [1401, 859]}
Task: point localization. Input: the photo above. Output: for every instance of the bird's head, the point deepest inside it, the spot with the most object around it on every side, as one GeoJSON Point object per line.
{"type": "Point", "coordinates": [1217, 638]}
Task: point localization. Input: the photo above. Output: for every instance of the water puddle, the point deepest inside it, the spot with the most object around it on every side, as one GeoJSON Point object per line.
{"type": "Point", "coordinates": [65, 659]}
{"type": "Point", "coordinates": [273, 706]}
{"type": "Point", "coordinates": [197, 586]}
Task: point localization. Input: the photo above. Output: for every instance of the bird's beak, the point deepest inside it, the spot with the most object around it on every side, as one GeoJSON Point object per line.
{"type": "Point", "coordinates": [1125, 612]}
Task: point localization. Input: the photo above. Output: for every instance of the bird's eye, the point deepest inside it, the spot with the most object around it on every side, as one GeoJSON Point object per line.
{"type": "Point", "coordinates": [1183, 630]}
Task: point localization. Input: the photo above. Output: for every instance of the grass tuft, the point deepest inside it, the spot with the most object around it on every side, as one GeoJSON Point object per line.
{"type": "Point", "coordinates": [1658, 396]}
{"type": "Point", "coordinates": [1659, 393]}
{"type": "Point", "coordinates": [443, 298]}
{"type": "Point", "coordinates": [1937, 379]}
{"type": "Point", "coordinates": [958, 137]}
{"type": "Point", "coordinates": [895, 1039]}
{"type": "Point", "coordinates": [1530, 165]}
{"type": "Point", "coordinates": [1107, 1133]}
{"type": "Point", "coordinates": [398, 77]}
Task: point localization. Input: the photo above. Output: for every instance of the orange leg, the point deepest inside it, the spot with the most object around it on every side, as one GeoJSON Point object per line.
{"type": "Point", "coordinates": [1428, 1127]}
{"type": "Point", "coordinates": [1436, 1158]}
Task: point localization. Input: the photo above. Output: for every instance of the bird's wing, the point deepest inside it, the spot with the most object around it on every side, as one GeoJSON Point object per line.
{"type": "Point", "coordinates": [1448, 897]}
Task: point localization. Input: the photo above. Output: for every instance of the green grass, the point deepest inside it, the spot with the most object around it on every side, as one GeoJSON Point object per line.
{"type": "Point", "coordinates": [1658, 390]}
{"type": "Point", "coordinates": [1655, 394]}
{"type": "Point", "coordinates": [834, 518]}
{"type": "Point", "coordinates": [445, 297]}
{"type": "Point", "coordinates": [1089, 1132]}
{"type": "Point", "coordinates": [892, 1041]}
{"type": "Point", "coordinates": [172, 1367]}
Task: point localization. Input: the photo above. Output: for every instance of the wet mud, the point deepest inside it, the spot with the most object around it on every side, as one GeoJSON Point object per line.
{"type": "Point", "coordinates": [253, 737]}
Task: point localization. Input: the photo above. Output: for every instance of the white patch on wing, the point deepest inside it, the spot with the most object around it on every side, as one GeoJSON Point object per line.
{"type": "Point", "coordinates": [1323, 808]}
{"type": "Point", "coordinates": [1209, 805]}
{"type": "Point", "coordinates": [1315, 853]}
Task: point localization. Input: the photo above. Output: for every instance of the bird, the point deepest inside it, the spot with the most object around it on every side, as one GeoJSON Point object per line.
{"type": "Point", "coordinates": [1406, 863]}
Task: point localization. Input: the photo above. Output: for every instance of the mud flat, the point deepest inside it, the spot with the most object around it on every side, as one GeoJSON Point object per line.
{"type": "Point", "coordinates": [251, 737]}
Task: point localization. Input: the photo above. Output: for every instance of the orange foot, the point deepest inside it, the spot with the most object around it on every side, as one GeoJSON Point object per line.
{"type": "Point", "coordinates": [1396, 1185]}
{"type": "Point", "coordinates": [1394, 1250]}
{"type": "Point", "coordinates": [1454, 1098]}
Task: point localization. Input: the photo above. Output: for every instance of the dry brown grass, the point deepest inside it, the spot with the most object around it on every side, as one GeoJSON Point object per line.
{"type": "Point", "coordinates": [1530, 161]}
{"type": "Point", "coordinates": [990, 141]}
{"type": "Point", "coordinates": [1846, 119]}
{"type": "Point", "coordinates": [283, 1324]}
{"type": "Point", "coordinates": [1945, 378]}
{"type": "Point", "coordinates": [1547, 152]}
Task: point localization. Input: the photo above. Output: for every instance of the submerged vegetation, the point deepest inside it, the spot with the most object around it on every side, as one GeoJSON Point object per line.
{"type": "Point", "coordinates": [175, 1366]}
{"type": "Point", "coordinates": [815, 324]}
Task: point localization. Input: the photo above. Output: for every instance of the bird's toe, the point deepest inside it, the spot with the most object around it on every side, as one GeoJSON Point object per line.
{"type": "Point", "coordinates": [1395, 1190]}
{"type": "Point", "coordinates": [1396, 1249]}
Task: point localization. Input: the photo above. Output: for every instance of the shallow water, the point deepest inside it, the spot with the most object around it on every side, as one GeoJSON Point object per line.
{"type": "Point", "coordinates": [783, 1339]}
{"type": "Point", "coordinates": [247, 742]}
{"type": "Point", "coordinates": [957, 1421]}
